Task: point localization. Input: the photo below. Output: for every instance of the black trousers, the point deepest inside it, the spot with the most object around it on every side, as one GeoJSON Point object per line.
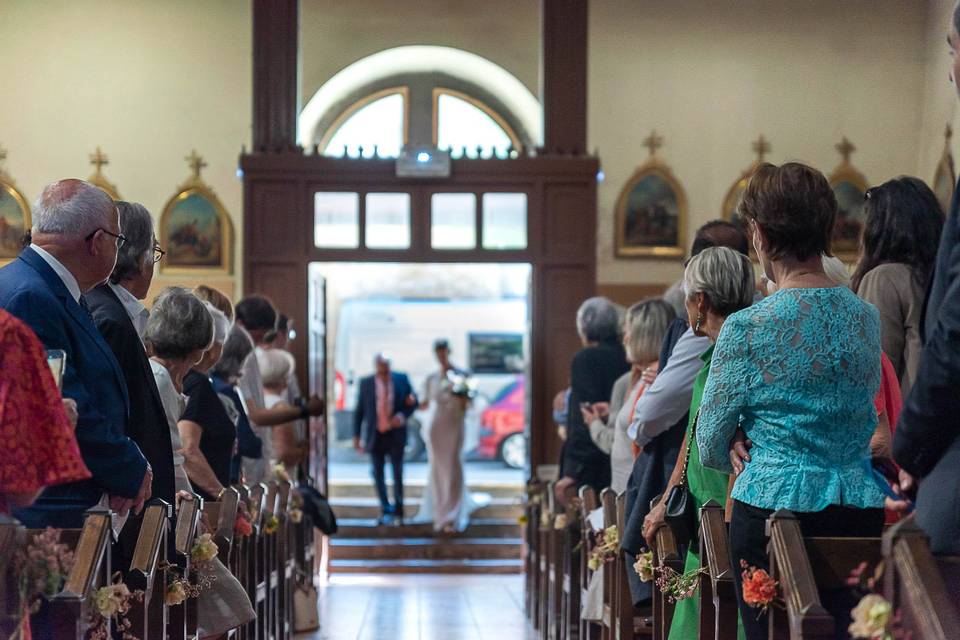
{"type": "Point", "coordinates": [748, 541]}
{"type": "Point", "coordinates": [394, 451]}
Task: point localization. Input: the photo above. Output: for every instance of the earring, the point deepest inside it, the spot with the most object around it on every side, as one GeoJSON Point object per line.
{"type": "Point", "coordinates": [696, 328]}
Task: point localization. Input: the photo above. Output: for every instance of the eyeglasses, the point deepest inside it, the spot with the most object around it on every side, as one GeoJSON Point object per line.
{"type": "Point", "coordinates": [158, 253]}
{"type": "Point", "coordinates": [119, 236]}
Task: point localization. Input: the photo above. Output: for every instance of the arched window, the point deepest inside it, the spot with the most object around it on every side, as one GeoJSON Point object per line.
{"type": "Point", "coordinates": [463, 122]}
{"type": "Point", "coordinates": [377, 124]}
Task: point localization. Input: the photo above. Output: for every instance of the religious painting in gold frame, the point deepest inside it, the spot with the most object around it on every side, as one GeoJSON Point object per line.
{"type": "Point", "coordinates": [14, 216]}
{"type": "Point", "coordinates": [850, 187]}
{"type": "Point", "coordinates": [651, 214]}
{"type": "Point", "coordinates": [195, 230]}
{"type": "Point", "coordinates": [945, 177]}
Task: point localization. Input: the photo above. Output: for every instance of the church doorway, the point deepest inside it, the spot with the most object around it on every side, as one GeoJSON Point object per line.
{"type": "Point", "coordinates": [482, 311]}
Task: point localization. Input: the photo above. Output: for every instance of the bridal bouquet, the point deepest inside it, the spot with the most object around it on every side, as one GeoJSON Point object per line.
{"type": "Point", "coordinates": [461, 384]}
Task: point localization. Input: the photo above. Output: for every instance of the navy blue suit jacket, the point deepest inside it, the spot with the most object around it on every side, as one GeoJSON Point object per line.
{"type": "Point", "coordinates": [32, 291]}
{"type": "Point", "coordinates": [930, 420]}
{"type": "Point", "coordinates": [365, 415]}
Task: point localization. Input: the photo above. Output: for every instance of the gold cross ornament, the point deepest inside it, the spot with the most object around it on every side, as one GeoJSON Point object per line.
{"type": "Point", "coordinates": [653, 142]}
{"type": "Point", "coordinates": [196, 163]}
{"type": "Point", "coordinates": [761, 147]}
{"type": "Point", "coordinates": [98, 159]}
{"type": "Point", "coordinates": [846, 149]}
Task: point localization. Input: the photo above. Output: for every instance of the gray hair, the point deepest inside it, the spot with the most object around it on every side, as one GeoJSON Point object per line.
{"type": "Point", "coordinates": [598, 320]}
{"type": "Point", "coordinates": [236, 349]}
{"type": "Point", "coordinates": [137, 252]}
{"type": "Point", "coordinates": [834, 269]}
{"type": "Point", "coordinates": [72, 208]}
{"type": "Point", "coordinates": [179, 324]}
{"type": "Point", "coordinates": [724, 276]}
{"type": "Point", "coordinates": [645, 325]}
{"type": "Point", "coordinates": [276, 366]}
{"type": "Point", "coordinates": [221, 324]}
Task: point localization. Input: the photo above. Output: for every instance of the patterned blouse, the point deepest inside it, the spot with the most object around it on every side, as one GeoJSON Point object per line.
{"type": "Point", "coordinates": [38, 443]}
{"type": "Point", "coordinates": [798, 371]}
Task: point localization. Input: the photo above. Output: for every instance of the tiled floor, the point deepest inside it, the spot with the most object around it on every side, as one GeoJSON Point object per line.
{"type": "Point", "coordinates": [422, 607]}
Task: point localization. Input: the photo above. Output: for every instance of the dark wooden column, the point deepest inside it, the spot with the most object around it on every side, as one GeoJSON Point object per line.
{"type": "Point", "coordinates": [276, 31]}
{"type": "Point", "coordinates": [564, 72]}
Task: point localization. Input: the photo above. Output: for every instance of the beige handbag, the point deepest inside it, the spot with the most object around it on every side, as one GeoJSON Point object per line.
{"type": "Point", "coordinates": [305, 614]}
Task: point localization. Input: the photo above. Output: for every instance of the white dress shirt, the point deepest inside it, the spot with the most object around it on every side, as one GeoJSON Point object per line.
{"type": "Point", "coordinates": [251, 388]}
{"type": "Point", "coordinates": [668, 398]}
{"type": "Point", "coordinates": [68, 280]}
{"type": "Point", "coordinates": [138, 313]}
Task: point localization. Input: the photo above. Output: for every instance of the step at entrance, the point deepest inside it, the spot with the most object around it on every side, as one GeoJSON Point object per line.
{"type": "Point", "coordinates": [491, 543]}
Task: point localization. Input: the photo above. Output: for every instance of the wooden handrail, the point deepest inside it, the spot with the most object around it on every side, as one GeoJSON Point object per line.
{"type": "Point", "coordinates": [790, 565]}
{"type": "Point", "coordinates": [718, 604]}
{"type": "Point", "coordinates": [914, 584]}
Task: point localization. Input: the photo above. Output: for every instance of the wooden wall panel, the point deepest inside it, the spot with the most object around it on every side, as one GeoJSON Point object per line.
{"type": "Point", "coordinates": [564, 73]}
{"type": "Point", "coordinates": [278, 232]}
{"type": "Point", "coordinates": [569, 224]}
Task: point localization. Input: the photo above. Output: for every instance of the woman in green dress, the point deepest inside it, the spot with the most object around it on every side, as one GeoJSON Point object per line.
{"type": "Point", "coordinates": [717, 282]}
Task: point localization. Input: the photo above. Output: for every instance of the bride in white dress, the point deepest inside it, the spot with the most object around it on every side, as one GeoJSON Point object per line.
{"type": "Point", "coordinates": [446, 501]}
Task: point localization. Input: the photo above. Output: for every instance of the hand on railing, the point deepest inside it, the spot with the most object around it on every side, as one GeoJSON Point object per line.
{"type": "Point", "coordinates": [654, 520]}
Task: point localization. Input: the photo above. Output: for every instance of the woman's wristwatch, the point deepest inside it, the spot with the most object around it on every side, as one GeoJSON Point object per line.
{"type": "Point", "coordinates": [301, 403]}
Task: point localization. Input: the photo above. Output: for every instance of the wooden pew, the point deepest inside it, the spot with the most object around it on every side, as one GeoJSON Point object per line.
{"type": "Point", "coordinates": [182, 618]}
{"type": "Point", "coordinates": [12, 537]}
{"type": "Point", "coordinates": [626, 624]}
{"type": "Point", "coordinates": [239, 561]}
{"type": "Point", "coordinates": [806, 567]}
{"type": "Point", "coordinates": [531, 510]}
{"type": "Point", "coordinates": [571, 555]}
{"type": "Point", "coordinates": [67, 615]}
{"type": "Point", "coordinates": [915, 584]}
{"type": "Point", "coordinates": [222, 516]}
{"type": "Point", "coordinates": [718, 598]}
{"type": "Point", "coordinates": [665, 554]}
{"type": "Point", "coordinates": [266, 567]}
{"type": "Point", "coordinates": [148, 617]}
{"type": "Point", "coordinates": [283, 619]}
{"type": "Point", "coordinates": [589, 630]}
{"type": "Point", "coordinates": [608, 500]}
{"type": "Point", "coordinates": [256, 583]}
{"type": "Point", "coordinates": [555, 563]}
{"type": "Point", "coordinates": [544, 525]}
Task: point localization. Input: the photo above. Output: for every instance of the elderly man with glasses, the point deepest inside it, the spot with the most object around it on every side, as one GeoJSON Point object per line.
{"type": "Point", "coordinates": [76, 236]}
{"type": "Point", "coordinates": [121, 319]}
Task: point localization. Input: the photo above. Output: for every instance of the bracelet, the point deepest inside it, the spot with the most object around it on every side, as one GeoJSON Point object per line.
{"type": "Point", "coordinates": [301, 403]}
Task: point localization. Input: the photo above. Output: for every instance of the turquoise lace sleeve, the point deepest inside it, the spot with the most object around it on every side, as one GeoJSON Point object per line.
{"type": "Point", "coordinates": [725, 395]}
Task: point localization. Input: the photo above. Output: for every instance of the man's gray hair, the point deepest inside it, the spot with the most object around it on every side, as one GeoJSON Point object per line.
{"type": "Point", "coordinates": [645, 325]}
{"type": "Point", "coordinates": [724, 276]}
{"type": "Point", "coordinates": [179, 324]}
{"type": "Point", "coordinates": [276, 367]}
{"type": "Point", "coordinates": [137, 252]}
{"type": "Point", "coordinates": [221, 324]}
{"type": "Point", "coordinates": [236, 349]}
{"type": "Point", "coordinates": [598, 320]}
{"type": "Point", "coordinates": [72, 208]}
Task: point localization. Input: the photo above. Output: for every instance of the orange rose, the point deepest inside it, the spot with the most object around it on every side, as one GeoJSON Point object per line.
{"type": "Point", "coordinates": [759, 589]}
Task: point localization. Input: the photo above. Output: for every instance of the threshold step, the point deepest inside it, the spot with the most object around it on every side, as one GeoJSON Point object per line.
{"type": "Point", "coordinates": [426, 566]}
{"type": "Point", "coordinates": [425, 548]}
{"type": "Point", "coordinates": [478, 528]}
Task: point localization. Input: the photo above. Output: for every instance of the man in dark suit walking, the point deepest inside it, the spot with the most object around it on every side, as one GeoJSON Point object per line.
{"type": "Point", "coordinates": [121, 317]}
{"type": "Point", "coordinates": [385, 402]}
{"type": "Point", "coordinates": [75, 237]}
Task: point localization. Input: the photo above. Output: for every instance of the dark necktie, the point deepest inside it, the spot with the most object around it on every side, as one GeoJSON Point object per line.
{"type": "Point", "coordinates": [84, 305]}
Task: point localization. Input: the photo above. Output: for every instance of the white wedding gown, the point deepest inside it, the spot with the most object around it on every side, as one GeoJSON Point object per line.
{"type": "Point", "coordinates": [447, 502]}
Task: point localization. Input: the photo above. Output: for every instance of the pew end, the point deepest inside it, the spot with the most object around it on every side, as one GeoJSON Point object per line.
{"type": "Point", "coordinates": [718, 598]}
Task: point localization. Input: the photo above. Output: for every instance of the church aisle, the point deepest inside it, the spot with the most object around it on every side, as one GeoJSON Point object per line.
{"type": "Point", "coordinates": [422, 607]}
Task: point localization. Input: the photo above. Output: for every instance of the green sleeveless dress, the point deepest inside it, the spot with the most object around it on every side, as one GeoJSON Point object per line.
{"type": "Point", "coordinates": [705, 485]}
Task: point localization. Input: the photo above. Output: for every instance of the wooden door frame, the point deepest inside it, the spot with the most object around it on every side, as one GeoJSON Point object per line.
{"type": "Point", "coordinates": [561, 212]}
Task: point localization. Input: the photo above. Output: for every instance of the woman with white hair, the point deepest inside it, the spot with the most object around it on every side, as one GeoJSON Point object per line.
{"type": "Point", "coordinates": [717, 282]}
{"type": "Point", "coordinates": [180, 332]}
{"type": "Point", "coordinates": [276, 369]}
{"type": "Point", "coordinates": [593, 372]}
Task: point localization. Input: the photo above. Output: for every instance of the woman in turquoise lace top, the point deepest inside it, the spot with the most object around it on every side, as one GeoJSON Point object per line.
{"type": "Point", "coordinates": [797, 372]}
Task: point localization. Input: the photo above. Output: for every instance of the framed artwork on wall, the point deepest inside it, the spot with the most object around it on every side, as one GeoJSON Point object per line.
{"type": "Point", "coordinates": [849, 186]}
{"type": "Point", "coordinates": [195, 229]}
{"type": "Point", "coordinates": [98, 159]}
{"type": "Point", "coordinates": [729, 211]}
{"type": "Point", "coordinates": [945, 177]}
{"type": "Point", "coordinates": [14, 215]}
{"type": "Point", "coordinates": [651, 213]}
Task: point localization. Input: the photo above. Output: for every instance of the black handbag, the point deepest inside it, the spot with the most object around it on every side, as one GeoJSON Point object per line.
{"type": "Point", "coordinates": [681, 510]}
{"type": "Point", "coordinates": [317, 509]}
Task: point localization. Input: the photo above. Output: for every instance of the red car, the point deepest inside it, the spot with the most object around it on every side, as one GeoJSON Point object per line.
{"type": "Point", "coordinates": [502, 427]}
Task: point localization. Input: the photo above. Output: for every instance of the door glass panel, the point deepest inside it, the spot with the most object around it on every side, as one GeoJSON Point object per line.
{"type": "Point", "coordinates": [504, 221]}
{"type": "Point", "coordinates": [453, 221]}
{"type": "Point", "coordinates": [388, 221]}
{"type": "Point", "coordinates": [377, 125]}
{"type": "Point", "coordinates": [336, 220]}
